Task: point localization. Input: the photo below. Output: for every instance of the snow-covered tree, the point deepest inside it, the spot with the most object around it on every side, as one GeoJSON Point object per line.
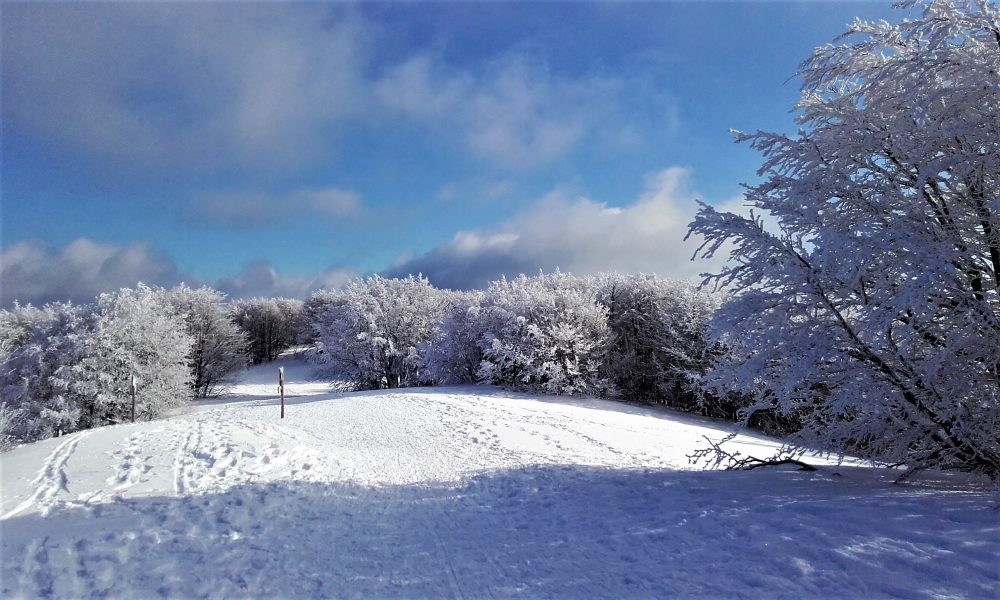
{"type": "Point", "coordinates": [135, 332]}
{"type": "Point", "coordinates": [8, 423]}
{"type": "Point", "coordinates": [17, 325]}
{"type": "Point", "coordinates": [271, 325]}
{"type": "Point", "coordinates": [455, 352]}
{"type": "Point", "coordinates": [39, 401]}
{"type": "Point", "coordinates": [219, 350]}
{"type": "Point", "coordinates": [543, 332]}
{"type": "Point", "coordinates": [657, 346]}
{"type": "Point", "coordinates": [872, 313]}
{"type": "Point", "coordinates": [75, 369]}
{"type": "Point", "coordinates": [372, 333]}
{"type": "Point", "coordinates": [295, 323]}
{"type": "Point", "coordinates": [310, 311]}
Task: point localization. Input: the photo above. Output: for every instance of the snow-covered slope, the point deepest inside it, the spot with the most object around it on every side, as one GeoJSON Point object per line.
{"type": "Point", "coordinates": [466, 492]}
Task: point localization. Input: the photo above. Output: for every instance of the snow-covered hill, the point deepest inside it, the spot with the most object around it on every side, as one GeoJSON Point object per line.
{"type": "Point", "coordinates": [465, 492]}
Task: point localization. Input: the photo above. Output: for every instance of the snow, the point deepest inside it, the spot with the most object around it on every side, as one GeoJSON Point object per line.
{"type": "Point", "coordinates": [466, 492]}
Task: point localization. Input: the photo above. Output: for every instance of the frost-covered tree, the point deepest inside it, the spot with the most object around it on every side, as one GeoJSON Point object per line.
{"type": "Point", "coordinates": [135, 331]}
{"type": "Point", "coordinates": [75, 369]}
{"type": "Point", "coordinates": [295, 322]}
{"type": "Point", "coordinates": [18, 324]}
{"type": "Point", "coordinates": [8, 422]}
{"type": "Point", "coordinates": [657, 347]}
{"type": "Point", "coordinates": [872, 312]}
{"type": "Point", "coordinates": [310, 311]}
{"type": "Point", "coordinates": [455, 352]}
{"type": "Point", "coordinates": [39, 400]}
{"type": "Point", "coordinates": [271, 325]}
{"type": "Point", "coordinates": [372, 333]}
{"type": "Point", "coordinates": [635, 337]}
{"type": "Point", "coordinates": [543, 332]}
{"type": "Point", "coordinates": [219, 349]}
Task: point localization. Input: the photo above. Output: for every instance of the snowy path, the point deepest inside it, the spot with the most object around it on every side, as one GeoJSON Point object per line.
{"type": "Point", "coordinates": [467, 493]}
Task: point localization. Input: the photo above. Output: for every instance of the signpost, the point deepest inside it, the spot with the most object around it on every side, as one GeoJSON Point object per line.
{"type": "Point", "coordinates": [133, 397]}
{"type": "Point", "coordinates": [281, 389]}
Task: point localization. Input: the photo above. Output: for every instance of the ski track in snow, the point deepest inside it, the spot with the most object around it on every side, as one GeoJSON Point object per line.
{"type": "Point", "coordinates": [52, 479]}
{"type": "Point", "coordinates": [467, 493]}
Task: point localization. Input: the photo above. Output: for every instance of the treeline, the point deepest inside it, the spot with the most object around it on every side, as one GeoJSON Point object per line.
{"type": "Point", "coordinates": [634, 337]}
{"type": "Point", "coordinates": [66, 367]}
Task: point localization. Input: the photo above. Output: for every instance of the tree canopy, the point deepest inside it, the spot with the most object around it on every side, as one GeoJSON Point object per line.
{"type": "Point", "coordinates": [872, 311]}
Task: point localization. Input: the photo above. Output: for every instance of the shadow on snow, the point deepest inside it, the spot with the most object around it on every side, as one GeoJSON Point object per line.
{"type": "Point", "coordinates": [537, 532]}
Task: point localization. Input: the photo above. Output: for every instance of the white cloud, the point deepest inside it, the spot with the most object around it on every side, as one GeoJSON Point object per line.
{"type": "Point", "coordinates": [37, 273]}
{"type": "Point", "coordinates": [200, 85]}
{"type": "Point", "coordinates": [416, 88]}
{"type": "Point", "coordinates": [514, 112]}
{"type": "Point", "coordinates": [576, 234]}
{"type": "Point", "coordinates": [256, 209]}
{"type": "Point", "coordinates": [261, 279]}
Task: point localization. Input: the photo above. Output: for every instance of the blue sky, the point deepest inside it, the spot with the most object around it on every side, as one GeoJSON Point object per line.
{"type": "Point", "coordinates": [278, 148]}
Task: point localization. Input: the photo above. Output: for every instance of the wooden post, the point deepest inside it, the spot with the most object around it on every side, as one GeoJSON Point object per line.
{"type": "Point", "coordinates": [281, 389]}
{"type": "Point", "coordinates": [133, 397]}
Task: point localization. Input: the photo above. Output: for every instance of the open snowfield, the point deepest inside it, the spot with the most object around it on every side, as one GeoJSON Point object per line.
{"type": "Point", "coordinates": [466, 492]}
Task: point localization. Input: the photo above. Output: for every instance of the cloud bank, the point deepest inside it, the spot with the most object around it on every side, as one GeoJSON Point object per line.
{"type": "Point", "coordinates": [561, 230]}
{"type": "Point", "coordinates": [575, 234]}
{"type": "Point", "coordinates": [261, 279]}
{"type": "Point", "coordinates": [37, 273]}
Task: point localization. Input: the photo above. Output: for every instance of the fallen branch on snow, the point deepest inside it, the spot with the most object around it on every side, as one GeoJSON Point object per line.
{"type": "Point", "coordinates": [715, 456]}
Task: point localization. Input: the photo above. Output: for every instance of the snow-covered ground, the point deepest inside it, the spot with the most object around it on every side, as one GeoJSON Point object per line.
{"type": "Point", "coordinates": [466, 492]}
